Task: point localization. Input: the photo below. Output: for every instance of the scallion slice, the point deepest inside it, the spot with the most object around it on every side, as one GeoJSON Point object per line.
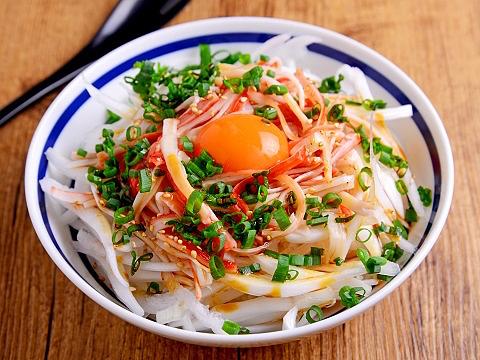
{"type": "Point", "coordinates": [133, 132]}
{"type": "Point", "coordinates": [401, 187]}
{"type": "Point", "coordinates": [332, 200]}
{"type": "Point", "coordinates": [232, 328]}
{"type": "Point", "coordinates": [292, 274]}
{"type": "Point", "coordinates": [271, 253]}
{"type": "Point", "coordinates": [277, 90]}
{"type": "Point", "coordinates": [194, 202]}
{"type": "Point", "coordinates": [217, 269]}
{"type": "Point", "coordinates": [262, 193]}
{"type": "Point", "coordinates": [351, 296]}
{"type": "Point", "coordinates": [363, 235]}
{"type": "Point", "coordinates": [123, 215]}
{"type": "Point", "coordinates": [425, 195]}
{"type": "Point", "coordinates": [247, 243]}
{"type": "Point", "coordinates": [249, 269]}
{"type": "Point", "coordinates": [282, 219]}
{"type": "Point", "coordinates": [361, 177]}
{"type": "Point", "coordinates": [264, 57]}
{"type": "Point", "coordinates": [316, 310]}
{"type": "Point", "coordinates": [136, 261]}
{"type": "Point", "coordinates": [281, 272]}
{"type": "Point", "coordinates": [186, 143]}
{"type": "Point", "coordinates": [81, 152]}
{"type": "Point", "coordinates": [145, 178]}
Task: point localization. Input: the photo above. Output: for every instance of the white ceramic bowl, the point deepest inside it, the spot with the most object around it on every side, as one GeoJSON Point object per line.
{"type": "Point", "coordinates": [73, 113]}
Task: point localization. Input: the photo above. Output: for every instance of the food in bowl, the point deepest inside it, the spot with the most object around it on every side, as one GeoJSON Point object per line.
{"type": "Point", "coordinates": [242, 195]}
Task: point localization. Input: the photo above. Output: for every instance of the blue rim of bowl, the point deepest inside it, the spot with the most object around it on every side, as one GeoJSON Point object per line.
{"type": "Point", "coordinates": [237, 37]}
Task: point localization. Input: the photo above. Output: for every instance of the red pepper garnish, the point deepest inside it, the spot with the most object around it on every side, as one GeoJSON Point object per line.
{"type": "Point", "coordinates": [230, 266]}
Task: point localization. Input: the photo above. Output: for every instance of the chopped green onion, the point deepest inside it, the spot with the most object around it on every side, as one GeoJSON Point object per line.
{"type": "Point", "coordinates": [392, 252]}
{"type": "Point", "coordinates": [331, 85]}
{"type": "Point", "coordinates": [264, 57]}
{"type": "Point", "coordinates": [282, 219]}
{"type": "Point", "coordinates": [277, 90]}
{"type": "Point", "coordinates": [205, 60]}
{"type": "Point", "coordinates": [308, 261]}
{"type": "Point", "coordinates": [271, 73]}
{"type": "Point", "coordinates": [145, 178]}
{"type": "Point", "coordinates": [361, 179]}
{"type": "Point", "coordinates": [372, 264]}
{"type": "Point", "coordinates": [217, 269]}
{"type": "Point", "coordinates": [186, 143]}
{"type": "Point", "coordinates": [352, 102]}
{"type": "Point", "coordinates": [110, 172]}
{"type": "Point", "coordinates": [123, 239]}
{"type": "Point", "coordinates": [247, 243]}
{"type": "Point", "coordinates": [344, 219]}
{"type": "Point", "coordinates": [351, 296]}
{"type": "Point", "coordinates": [332, 200]}
{"type": "Point", "coordinates": [232, 328]}
{"type": "Point", "coordinates": [123, 215]}
{"type": "Point", "coordinates": [244, 59]}
{"type": "Point", "coordinates": [313, 202]}
{"type": "Point", "coordinates": [398, 229]}
{"type": "Point", "coordinates": [234, 84]}
{"type": "Point", "coordinates": [249, 269]}
{"type": "Point", "coordinates": [425, 195]}
{"type": "Point", "coordinates": [211, 230]}
{"type": "Point", "coordinates": [314, 112]}
{"type": "Point", "coordinates": [267, 112]}
{"type": "Point", "coordinates": [133, 132]}
{"type": "Point", "coordinates": [98, 148]}
{"type": "Point", "coordinates": [113, 203]}
{"type": "Point", "coordinates": [335, 114]}
{"type": "Point", "coordinates": [317, 311]}
{"type": "Point", "coordinates": [339, 261]}
{"type": "Point", "coordinates": [363, 238]}
{"type": "Point", "coordinates": [296, 259]}
{"type": "Point", "coordinates": [319, 220]}
{"type": "Point", "coordinates": [81, 152]}
{"type": "Point", "coordinates": [262, 193]}
{"type": "Point", "coordinates": [374, 104]}
{"type": "Point", "coordinates": [135, 227]}
{"type": "Point", "coordinates": [316, 254]}
{"type": "Point", "coordinates": [292, 274]}
{"type": "Point", "coordinates": [194, 202]}
{"type": "Point", "coordinates": [112, 117]}
{"type": "Point", "coordinates": [250, 199]}
{"type": "Point", "coordinates": [281, 272]}
{"type": "Point", "coordinates": [153, 288]}
{"type": "Point", "coordinates": [271, 253]}
{"type": "Point", "coordinates": [410, 214]}
{"type": "Point", "coordinates": [136, 261]}
{"type": "Point", "coordinates": [401, 187]}
{"type": "Point", "coordinates": [252, 77]}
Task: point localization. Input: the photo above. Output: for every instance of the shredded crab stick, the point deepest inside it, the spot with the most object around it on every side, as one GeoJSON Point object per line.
{"type": "Point", "coordinates": [240, 195]}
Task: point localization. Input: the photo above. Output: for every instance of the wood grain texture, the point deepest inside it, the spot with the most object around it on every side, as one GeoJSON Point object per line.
{"type": "Point", "coordinates": [433, 315]}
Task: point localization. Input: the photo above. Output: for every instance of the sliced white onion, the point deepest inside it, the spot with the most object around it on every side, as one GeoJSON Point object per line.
{"type": "Point", "coordinates": [355, 82]}
{"type": "Point", "coordinates": [399, 112]}
{"type": "Point", "coordinates": [290, 319]}
{"type": "Point", "coordinates": [390, 269]}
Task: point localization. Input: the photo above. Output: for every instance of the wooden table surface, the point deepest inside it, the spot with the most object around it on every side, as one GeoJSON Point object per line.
{"type": "Point", "coordinates": [433, 315]}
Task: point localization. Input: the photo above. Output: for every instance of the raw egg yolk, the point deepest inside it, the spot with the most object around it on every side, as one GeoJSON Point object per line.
{"type": "Point", "coordinates": [243, 142]}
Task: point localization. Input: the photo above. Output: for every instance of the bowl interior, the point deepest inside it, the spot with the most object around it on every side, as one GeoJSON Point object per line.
{"type": "Point", "coordinates": [74, 115]}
